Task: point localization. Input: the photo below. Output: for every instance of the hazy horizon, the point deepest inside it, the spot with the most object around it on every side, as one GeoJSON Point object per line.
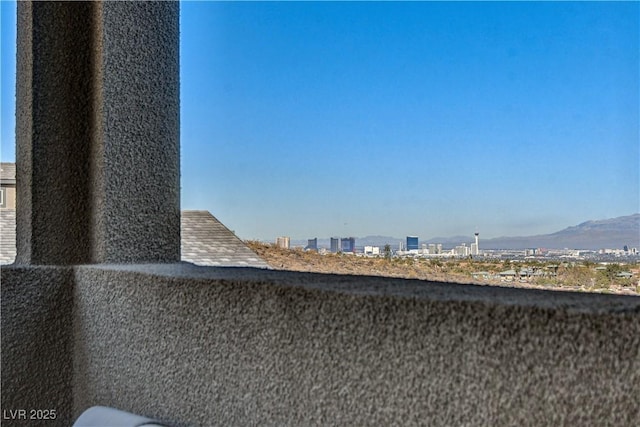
{"type": "Point", "coordinates": [420, 118]}
{"type": "Point", "coordinates": [469, 235]}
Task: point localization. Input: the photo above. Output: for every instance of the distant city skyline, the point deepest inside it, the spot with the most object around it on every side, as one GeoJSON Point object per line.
{"type": "Point", "coordinates": [415, 118]}
{"type": "Point", "coordinates": [620, 232]}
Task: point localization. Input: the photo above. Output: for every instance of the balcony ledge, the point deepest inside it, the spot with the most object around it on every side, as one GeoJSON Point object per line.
{"type": "Point", "coordinates": [188, 345]}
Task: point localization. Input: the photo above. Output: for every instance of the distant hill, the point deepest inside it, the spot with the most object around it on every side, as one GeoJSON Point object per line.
{"type": "Point", "coordinates": [607, 233]}
{"type": "Point", "coordinates": [596, 234]}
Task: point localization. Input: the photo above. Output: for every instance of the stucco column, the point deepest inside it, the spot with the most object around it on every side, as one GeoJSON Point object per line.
{"type": "Point", "coordinates": [98, 164]}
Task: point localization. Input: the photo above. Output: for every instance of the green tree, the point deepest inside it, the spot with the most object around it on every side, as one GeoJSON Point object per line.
{"type": "Point", "coordinates": [577, 276]}
{"type": "Point", "coordinates": [608, 276]}
{"type": "Point", "coordinates": [387, 251]}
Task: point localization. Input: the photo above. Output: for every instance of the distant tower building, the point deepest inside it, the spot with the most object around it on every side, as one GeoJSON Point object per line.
{"type": "Point", "coordinates": [476, 250]}
{"type": "Point", "coordinates": [439, 248]}
{"type": "Point", "coordinates": [283, 242]}
{"type": "Point", "coordinates": [348, 244]}
{"type": "Point", "coordinates": [412, 243]}
{"type": "Point", "coordinates": [432, 248]}
{"type": "Point", "coordinates": [312, 244]}
{"type": "Point", "coordinates": [335, 245]}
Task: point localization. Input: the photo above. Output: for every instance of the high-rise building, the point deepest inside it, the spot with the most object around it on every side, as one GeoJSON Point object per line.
{"type": "Point", "coordinates": [283, 242]}
{"type": "Point", "coordinates": [412, 243]}
{"type": "Point", "coordinates": [312, 244]}
{"type": "Point", "coordinates": [476, 250]}
{"type": "Point", "coordinates": [432, 248]}
{"type": "Point", "coordinates": [348, 244]}
{"type": "Point", "coordinates": [335, 245]}
{"type": "Point", "coordinates": [462, 250]}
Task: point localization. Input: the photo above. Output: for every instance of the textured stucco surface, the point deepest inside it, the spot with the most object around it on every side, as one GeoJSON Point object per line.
{"type": "Point", "coordinates": [37, 342]}
{"type": "Point", "coordinates": [205, 346]}
{"type": "Point", "coordinates": [53, 128]}
{"type": "Point", "coordinates": [137, 185]}
{"type": "Point", "coordinates": [97, 132]}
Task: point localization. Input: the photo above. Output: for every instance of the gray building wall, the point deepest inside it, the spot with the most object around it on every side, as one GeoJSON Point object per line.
{"type": "Point", "coordinates": [9, 197]}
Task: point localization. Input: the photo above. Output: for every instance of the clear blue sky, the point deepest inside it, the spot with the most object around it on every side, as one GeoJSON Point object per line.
{"type": "Point", "coordinates": [429, 119]}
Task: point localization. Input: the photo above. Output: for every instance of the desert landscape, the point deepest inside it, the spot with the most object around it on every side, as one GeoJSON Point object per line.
{"type": "Point", "coordinates": [580, 276]}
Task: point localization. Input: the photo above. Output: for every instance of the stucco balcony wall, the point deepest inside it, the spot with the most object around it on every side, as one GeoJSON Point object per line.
{"type": "Point", "coordinates": [213, 346]}
{"type": "Point", "coordinates": [37, 343]}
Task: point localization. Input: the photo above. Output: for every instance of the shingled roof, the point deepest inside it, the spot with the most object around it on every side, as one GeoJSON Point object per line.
{"type": "Point", "coordinates": [205, 241]}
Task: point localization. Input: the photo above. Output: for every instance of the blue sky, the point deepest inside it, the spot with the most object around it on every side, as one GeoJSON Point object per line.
{"type": "Point", "coordinates": [419, 118]}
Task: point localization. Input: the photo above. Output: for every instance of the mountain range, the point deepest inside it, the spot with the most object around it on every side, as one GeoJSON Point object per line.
{"type": "Point", "coordinates": [612, 233]}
